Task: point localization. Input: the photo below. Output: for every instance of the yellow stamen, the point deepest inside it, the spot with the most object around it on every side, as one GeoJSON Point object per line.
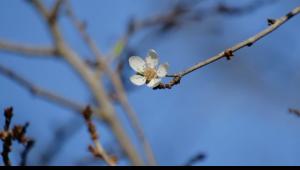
{"type": "Point", "coordinates": [150, 74]}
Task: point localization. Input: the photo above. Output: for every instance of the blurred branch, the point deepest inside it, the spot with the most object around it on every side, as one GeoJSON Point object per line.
{"type": "Point", "coordinates": [295, 112]}
{"type": "Point", "coordinates": [228, 53]}
{"type": "Point", "coordinates": [222, 8]}
{"type": "Point", "coordinates": [24, 155]}
{"type": "Point", "coordinates": [196, 158]}
{"type": "Point", "coordinates": [121, 96]}
{"type": "Point", "coordinates": [98, 150]}
{"type": "Point", "coordinates": [53, 14]}
{"type": "Point", "coordinates": [40, 7]}
{"type": "Point", "coordinates": [26, 49]}
{"type": "Point", "coordinates": [117, 83]}
{"type": "Point", "coordinates": [81, 27]}
{"type": "Point", "coordinates": [60, 137]}
{"type": "Point", "coordinates": [19, 134]}
{"type": "Point", "coordinates": [37, 91]}
{"type": "Point", "coordinates": [96, 86]}
{"type": "Point", "coordinates": [179, 14]}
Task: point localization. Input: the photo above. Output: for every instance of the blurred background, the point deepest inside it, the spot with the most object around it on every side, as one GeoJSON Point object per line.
{"type": "Point", "coordinates": [233, 112]}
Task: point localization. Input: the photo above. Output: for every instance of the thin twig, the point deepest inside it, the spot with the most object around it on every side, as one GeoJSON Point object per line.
{"type": "Point", "coordinates": [7, 137]}
{"type": "Point", "coordinates": [228, 53]}
{"type": "Point", "coordinates": [178, 15]}
{"type": "Point", "coordinates": [98, 150]}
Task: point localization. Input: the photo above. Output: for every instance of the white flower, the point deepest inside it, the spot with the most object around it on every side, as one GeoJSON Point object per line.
{"type": "Point", "coordinates": [147, 71]}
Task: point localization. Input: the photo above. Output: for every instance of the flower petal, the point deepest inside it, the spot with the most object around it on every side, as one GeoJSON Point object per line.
{"type": "Point", "coordinates": [162, 70]}
{"type": "Point", "coordinates": [152, 59]}
{"type": "Point", "coordinates": [138, 80]}
{"type": "Point", "coordinates": [154, 82]}
{"type": "Point", "coordinates": [137, 64]}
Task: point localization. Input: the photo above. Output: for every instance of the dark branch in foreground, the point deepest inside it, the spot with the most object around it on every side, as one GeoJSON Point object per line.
{"type": "Point", "coordinates": [295, 112]}
{"type": "Point", "coordinates": [197, 158]}
{"type": "Point", "coordinates": [17, 133]}
{"type": "Point", "coordinates": [6, 137]}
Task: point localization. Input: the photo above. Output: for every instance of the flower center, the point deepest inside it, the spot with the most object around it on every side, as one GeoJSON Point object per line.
{"type": "Point", "coordinates": [150, 74]}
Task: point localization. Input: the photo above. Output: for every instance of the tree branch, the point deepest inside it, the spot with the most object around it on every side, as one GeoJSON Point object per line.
{"type": "Point", "coordinates": [60, 137]}
{"type": "Point", "coordinates": [294, 111]}
{"type": "Point", "coordinates": [26, 49]}
{"type": "Point", "coordinates": [228, 53]}
{"type": "Point", "coordinates": [40, 7]}
{"type": "Point", "coordinates": [108, 113]}
{"type": "Point", "coordinates": [17, 133]}
{"type": "Point", "coordinates": [37, 91]}
{"type": "Point", "coordinates": [6, 137]}
{"type": "Point", "coordinates": [117, 83]}
{"type": "Point", "coordinates": [53, 14]}
{"type": "Point", "coordinates": [98, 150]}
{"type": "Point", "coordinates": [24, 155]}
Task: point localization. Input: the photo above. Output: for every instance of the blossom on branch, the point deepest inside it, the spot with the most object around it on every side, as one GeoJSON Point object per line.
{"type": "Point", "coordinates": [147, 71]}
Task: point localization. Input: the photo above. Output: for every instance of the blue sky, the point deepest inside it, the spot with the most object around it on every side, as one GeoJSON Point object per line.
{"type": "Point", "coordinates": [235, 112]}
